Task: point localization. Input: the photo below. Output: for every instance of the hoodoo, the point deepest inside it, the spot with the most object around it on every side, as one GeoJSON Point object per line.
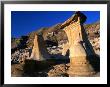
{"type": "Point", "coordinates": [79, 46]}
{"type": "Point", "coordinates": [39, 51]}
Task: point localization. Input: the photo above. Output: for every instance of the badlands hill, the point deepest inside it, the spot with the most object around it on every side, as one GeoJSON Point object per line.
{"type": "Point", "coordinates": [54, 38]}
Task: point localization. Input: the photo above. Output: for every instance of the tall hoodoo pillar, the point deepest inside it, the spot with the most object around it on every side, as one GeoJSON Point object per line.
{"type": "Point", "coordinates": [79, 52]}
{"type": "Point", "coordinates": [39, 51]}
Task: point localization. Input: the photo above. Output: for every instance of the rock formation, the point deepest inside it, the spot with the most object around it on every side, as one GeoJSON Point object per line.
{"type": "Point", "coordinates": [80, 49]}
{"type": "Point", "coordinates": [65, 48]}
{"type": "Point", "coordinates": [39, 51]}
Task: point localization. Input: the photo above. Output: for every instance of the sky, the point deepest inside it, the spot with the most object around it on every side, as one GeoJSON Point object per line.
{"type": "Point", "coordinates": [24, 22]}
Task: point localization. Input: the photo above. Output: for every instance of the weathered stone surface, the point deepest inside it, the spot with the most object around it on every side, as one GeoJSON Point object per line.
{"type": "Point", "coordinates": [58, 71]}
{"type": "Point", "coordinates": [79, 48]}
{"type": "Point", "coordinates": [80, 66]}
{"type": "Point", "coordinates": [96, 45]}
{"type": "Point", "coordinates": [65, 48]}
{"type": "Point", "coordinates": [39, 51]}
{"type": "Point", "coordinates": [80, 53]}
{"type": "Point", "coordinates": [20, 55]}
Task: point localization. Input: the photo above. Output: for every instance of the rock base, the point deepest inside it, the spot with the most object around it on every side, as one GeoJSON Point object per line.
{"type": "Point", "coordinates": [79, 66]}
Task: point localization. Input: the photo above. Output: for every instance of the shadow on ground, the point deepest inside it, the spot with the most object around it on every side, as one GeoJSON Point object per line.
{"type": "Point", "coordinates": [33, 68]}
{"type": "Point", "coordinates": [95, 62]}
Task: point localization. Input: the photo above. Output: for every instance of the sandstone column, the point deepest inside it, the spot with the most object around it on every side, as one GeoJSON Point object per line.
{"type": "Point", "coordinates": [39, 51]}
{"type": "Point", "coordinates": [79, 64]}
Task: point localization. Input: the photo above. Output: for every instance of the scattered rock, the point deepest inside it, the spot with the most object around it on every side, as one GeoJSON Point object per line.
{"type": "Point", "coordinates": [55, 69]}
{"type": "Point", "coordinates": [58, 70]}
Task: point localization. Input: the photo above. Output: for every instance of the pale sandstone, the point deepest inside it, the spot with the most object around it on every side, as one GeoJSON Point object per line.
{"type": "Point", "coordinates": [39, 51]}
{"type": "Point", "coordinates": [78, 52]}
{"type": "Point", "coordinates": [65, 48]}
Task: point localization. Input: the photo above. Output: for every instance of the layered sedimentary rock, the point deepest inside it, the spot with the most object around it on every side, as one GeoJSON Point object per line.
{"type": "Point", "coordinates": [80, 49]}
{"type": "Point", "coordinates": [39, 51]}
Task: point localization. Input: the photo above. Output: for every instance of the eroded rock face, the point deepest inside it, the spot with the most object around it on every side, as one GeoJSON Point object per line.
{"type": "Point", "coordinates": [79, 48]}
{"type": "Point", "coordinates": [96, 45]}
{"type": "Point", "coordinates": [65, 48]}
{"type": "Point", "coordinates": [58, 71]}
{"type": "Point", "coordinates": [20, 55]}
{"type": "Point", "coordinates": [39, 51]}
{"type": "Point", "coordinates": [80, 66]}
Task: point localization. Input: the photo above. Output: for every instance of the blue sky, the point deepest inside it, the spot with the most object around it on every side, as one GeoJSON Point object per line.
{"type": "Point", "coordinates": [24, 22]}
